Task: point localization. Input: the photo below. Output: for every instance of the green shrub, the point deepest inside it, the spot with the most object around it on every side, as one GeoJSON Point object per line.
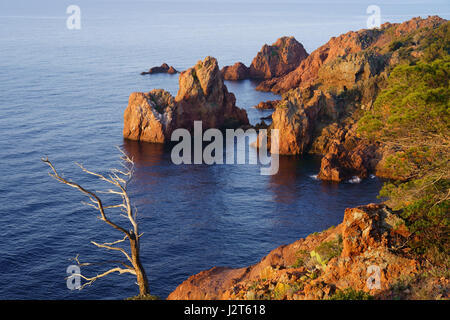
{"type": "Point", "coordinates": [327, 250]}
{"type": "Point", "coordinates": [412, 116]}
{"type": "Point", "coordinates": [351, 294]}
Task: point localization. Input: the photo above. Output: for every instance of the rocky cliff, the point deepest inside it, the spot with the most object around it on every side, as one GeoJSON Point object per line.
{"type": "Point", "coordinates": [349, 43]}
{"type": "Point", "coordinates": [365, 252]}
{"type": "Point", "coordinates": [202, 96]}
{"type": "Point", "coordinates": [324, 97]}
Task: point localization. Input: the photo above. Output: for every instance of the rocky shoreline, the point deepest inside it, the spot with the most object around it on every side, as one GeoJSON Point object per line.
{"type": "Point", "coordinates": [324, 95]}
{"type": "Point", "coordinates": [319, 265]}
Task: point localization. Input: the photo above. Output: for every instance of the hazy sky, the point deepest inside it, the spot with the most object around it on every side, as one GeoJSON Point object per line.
{"type": "Point", "coordinates": [392, 7]}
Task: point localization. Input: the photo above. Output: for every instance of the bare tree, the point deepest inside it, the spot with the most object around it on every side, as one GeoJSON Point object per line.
{"type": "Point", "coordinates": [119, 180]}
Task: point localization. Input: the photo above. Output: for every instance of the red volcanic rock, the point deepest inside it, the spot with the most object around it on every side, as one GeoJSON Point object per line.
{"type": "Point", "coordinates": [202, 96]}
{"type": "Point", "coordinates": [207, 285]}
{"type": "Point", "coordinates": [278, 59]}
{"type": "Point", "coordinates": [148, 116]}
{"type": "Point", "coordinates": [348, 43]}
{"type": "Point", "coordinates": [295, 118]}
{"type": "Point", "coordinates": [238, 71]}
{"type": "Point", "coordinates": [267, 105]}
{"type": "Point", "coordinates": [370, 236]}
{"type": "Point", "coordinates": [164, 68]}
{"type": "Point", "coordinates": [307, 71]}
{"type": "Point", "coordinates": [341, 163]}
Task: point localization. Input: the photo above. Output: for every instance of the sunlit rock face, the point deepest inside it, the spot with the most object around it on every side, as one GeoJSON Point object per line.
{"type": "Point", "coordinates": [369, 238]}
{"type": "Point", "coordinates": [202, 96]}
{"type": "Point", "coordinates": [148, 116]}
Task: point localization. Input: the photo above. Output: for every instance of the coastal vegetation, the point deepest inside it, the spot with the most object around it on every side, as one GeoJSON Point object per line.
{"type": "Point", "coordinates": [412, 116]}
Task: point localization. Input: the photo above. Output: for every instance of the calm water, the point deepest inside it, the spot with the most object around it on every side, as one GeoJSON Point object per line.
{"type": "Point", "coordinates": [63, 93]}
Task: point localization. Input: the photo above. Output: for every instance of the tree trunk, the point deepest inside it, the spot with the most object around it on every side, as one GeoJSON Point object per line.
{"type": "Point", "coordinates": [140, 272]}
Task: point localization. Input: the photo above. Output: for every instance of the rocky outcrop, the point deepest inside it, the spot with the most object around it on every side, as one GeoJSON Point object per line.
{"type": "Point", "coordinates": [342, 164]}
{"type": "Point", "coordinates": [164, 68]}
{"type": "Point", "coordinates": [369, 240]}
{"type": "Point", "coordinates": [238, 71]}
{"type": "Point", "coordinates": [271, 61]}
{"type": "Point", "coordinates": [278, 59]}
{"type": "Point", "coordinates": [345, 154]}
{"type": "Point", "coordinates": [267, 105]}
{"type": "Point", "coordinates": [202, 96]}
{"type": "Point", "coordinates": [294, 118]}
{"type": "Point", "coordinates": [148, 116]}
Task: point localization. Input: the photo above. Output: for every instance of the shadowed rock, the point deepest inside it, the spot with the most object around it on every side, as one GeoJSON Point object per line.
{"type": "Point", "coordinates": [164, 68]}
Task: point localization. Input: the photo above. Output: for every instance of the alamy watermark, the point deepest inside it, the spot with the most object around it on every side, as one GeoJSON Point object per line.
{"type": "Point", "coordinates": [374, 279]}
{"type": "Point", "coordinates": [184, 153]}
{"type": "Point", "coordinates": [374, 20]}
{"type": "Point", "coordinates": [74, 279]}
{"type": "Point", "coordinates": [73, 22]}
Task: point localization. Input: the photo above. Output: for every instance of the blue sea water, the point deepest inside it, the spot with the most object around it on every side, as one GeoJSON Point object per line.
{"type": "Point", "coordinates": [62, 95]}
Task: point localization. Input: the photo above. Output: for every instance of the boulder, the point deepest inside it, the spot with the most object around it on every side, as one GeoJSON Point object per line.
{"type": "Point", "coordinates": [238, 71]}
{"type": "Point", "coordinates": [347, 156]}
{"type": "Point", "coordinates": [295, 118]}
{"type": "Point", "coordinates": [267, 105]}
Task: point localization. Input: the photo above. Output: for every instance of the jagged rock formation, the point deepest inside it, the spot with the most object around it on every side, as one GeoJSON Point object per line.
{"type": "Point", "coordinates": [271, 61]}
{"type": "Point", "coordinates": [318, 266]}
{"type": "Point", "coordinates": [202, 96]}
{"type": "Point", "coordinates": [164, 68]}
{"type": "Point", "coordinates": [323, 96]}
{"type": "Point", "coordinates": [278, 59]}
